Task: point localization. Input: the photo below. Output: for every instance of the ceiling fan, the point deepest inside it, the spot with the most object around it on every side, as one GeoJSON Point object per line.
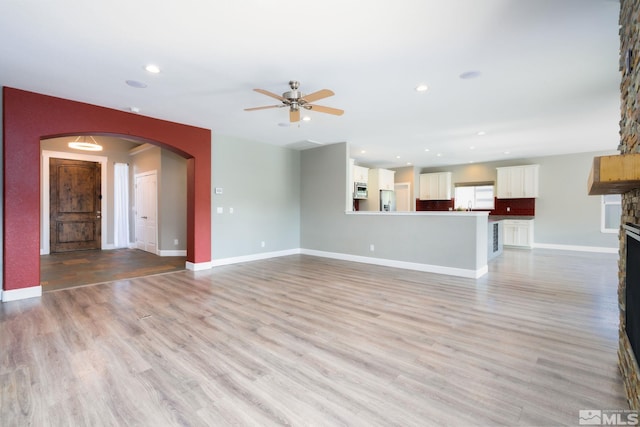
{"type": "Point", "coordinates": [295, 100]}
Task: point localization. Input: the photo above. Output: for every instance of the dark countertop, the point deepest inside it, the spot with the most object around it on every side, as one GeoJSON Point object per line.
{"type": "Point", "coordinates": [501, 217]}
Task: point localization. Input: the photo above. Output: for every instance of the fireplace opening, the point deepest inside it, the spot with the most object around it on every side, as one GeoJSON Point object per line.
{"type": "Point", "coordinates": [632, 289]}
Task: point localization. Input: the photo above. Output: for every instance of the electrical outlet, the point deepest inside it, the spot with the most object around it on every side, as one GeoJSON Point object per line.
{"type": "Point", "coordinates": [372, 247]}
{"type": "Point", "coordinates": [508, 209]}
{"type": "Point", "coordinates": [262, 244]}
{"type": "Point", "coordinates": [230, 210]}
{"type": "Point", "coordinates": [175, 242]}
{"type": "Point", "coordinates": [220, 210]}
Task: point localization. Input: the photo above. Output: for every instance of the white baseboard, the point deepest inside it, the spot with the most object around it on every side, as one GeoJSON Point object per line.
{"type": "Point", "coordinates": [578, 248]}
{"type": "Point", "coordinates": [172, 252]}
{"type": "Point", "coordinates": [198, 266]}
{"type": "Point", "coordinates": [253, 257]}
{"type": "Point", "coordinates": [450, 271]}
{"type": "Point", "coordinates": [23, 293]}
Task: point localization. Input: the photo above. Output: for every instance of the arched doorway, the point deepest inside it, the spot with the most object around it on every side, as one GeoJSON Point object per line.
{"type": "Point", "coordinates": [28, 117]}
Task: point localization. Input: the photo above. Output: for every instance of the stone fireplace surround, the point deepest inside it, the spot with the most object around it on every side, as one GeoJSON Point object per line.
{"type": "Point", "coordinates": [629, 131]}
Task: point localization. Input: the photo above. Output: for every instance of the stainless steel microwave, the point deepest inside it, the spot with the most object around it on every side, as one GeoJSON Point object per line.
{"type": "Point", "coordinates": [360, 190]}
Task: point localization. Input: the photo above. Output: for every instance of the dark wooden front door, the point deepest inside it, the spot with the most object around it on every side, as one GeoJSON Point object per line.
{"type": "Point", "coordinates": [75, 217]}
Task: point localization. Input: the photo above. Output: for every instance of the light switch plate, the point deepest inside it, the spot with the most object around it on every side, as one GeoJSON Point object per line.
{"type": "Point", "coordinates": [220, 210]}
{"type": "Point", "coordinates": [218, 190]}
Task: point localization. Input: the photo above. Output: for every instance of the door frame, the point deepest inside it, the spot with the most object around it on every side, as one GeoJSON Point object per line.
{"type": "Point", "coordinates": [153, 172]}
{"type": "Point", "coordinates": [406, 185]}
{"type": "Point", "coordinates": [45, 247]}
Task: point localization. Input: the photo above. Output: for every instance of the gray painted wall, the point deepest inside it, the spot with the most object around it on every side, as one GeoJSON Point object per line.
{"type": "Point", "coordinates": [261, 183]}
{"type": "Point", "coordinates": [565, 213]}
{"type": "Point", "coordinates": [453, 241]}
{"type": "Point", "coordinates": [172, 193]}
{"type": "Point", "coordinates": [172, 202]}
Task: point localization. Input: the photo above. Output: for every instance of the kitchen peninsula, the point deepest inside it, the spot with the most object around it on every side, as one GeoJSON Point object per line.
{"type": "Point", "coordinates": [452, 243]}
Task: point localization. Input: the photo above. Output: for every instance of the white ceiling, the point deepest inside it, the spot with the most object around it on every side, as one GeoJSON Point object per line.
{"type": "Point", "coordinates": [548, 83]}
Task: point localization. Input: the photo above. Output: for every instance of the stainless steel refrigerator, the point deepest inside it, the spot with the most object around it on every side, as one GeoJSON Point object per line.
{"type": "Point", "coordinates": [387, 200]}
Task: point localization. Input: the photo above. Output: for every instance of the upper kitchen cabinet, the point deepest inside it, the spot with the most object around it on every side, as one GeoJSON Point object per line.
{"type": "Point", "coordinates": [435, 186]}
{"type": "Point", "coordinates": [360, 174]}
{"type": "Point", "coordinates": [384, 178]}
{"type": "Point", "coordinates": [381, 179]}
{"type": "Point", "coordinates": [518, 182]}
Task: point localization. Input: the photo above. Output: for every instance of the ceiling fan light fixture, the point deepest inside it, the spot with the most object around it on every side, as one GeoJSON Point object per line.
{"type": "Point", "coordinates": [81, 143]}
{"type": "Point", "coordinates": [296, 100]}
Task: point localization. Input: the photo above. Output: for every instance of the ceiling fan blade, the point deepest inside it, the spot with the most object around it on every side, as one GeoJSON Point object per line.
{"type": "Point", "coordinates": [323, 93]}
{"type": "Point", "coordinates": [322, 109]}
{"type": "Point", "coordinates": [263, 108]}
{"type": "Point", "coordinates": [271, 94]}
{"type": "Point", "coordinates": [294, 116]}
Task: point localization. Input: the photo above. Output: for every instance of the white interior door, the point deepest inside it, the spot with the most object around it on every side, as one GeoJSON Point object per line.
{"type": "Point", "coordinates": [146, 211]}
{"type": "Point", "coordinates": [403, 196]}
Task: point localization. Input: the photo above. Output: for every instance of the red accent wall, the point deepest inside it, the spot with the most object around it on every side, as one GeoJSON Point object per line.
{"type": "Point", "coordinates": [29, 117]}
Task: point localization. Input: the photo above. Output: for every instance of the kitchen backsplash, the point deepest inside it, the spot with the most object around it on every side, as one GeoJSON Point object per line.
{"type": "Point", "coordinates": [515, 207]}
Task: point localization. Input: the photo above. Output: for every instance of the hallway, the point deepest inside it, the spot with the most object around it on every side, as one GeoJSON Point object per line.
{"type": "Point", "coordinates": [71, 269]}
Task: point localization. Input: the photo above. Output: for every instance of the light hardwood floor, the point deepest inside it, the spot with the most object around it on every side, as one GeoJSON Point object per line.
{"type": "Point", "coordinates": [308, 341]}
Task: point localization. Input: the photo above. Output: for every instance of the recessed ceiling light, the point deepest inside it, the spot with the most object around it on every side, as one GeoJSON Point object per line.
{"type": "Point", "coordinates": [507, 152]}
{"type": "Point", "coordinates": [439, 154]}
{"type": "Point", "coordinates": [472, 148]}
{"type": "Point", "coordinates": [422, 87]}
{"type": "Point", "coordinates": [408, 163]}
{"type": "Point", "coordinates": [152, 68]}
{"type": "Point", "coordinates": [397, 157]}
{"type": "Point", "coordinates": [426, 149]}
{"type": "Point", "coordinates": [470, 75]}
{"type": "Point", "coordinates": [136, 84]}
{"type": "Point", "coordinates": [481, 133]}
{"type": "Point", "coordinates": [363, 151]}
{"type": "Point", "coordinates": [306, 118]}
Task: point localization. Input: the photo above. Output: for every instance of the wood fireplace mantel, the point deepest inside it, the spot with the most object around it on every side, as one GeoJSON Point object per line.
{"type": "Point", "coordinates": [614, 174]}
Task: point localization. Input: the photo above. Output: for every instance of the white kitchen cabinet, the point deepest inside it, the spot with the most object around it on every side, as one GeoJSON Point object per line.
{"type": "Point", "coordinates": [360, 174]}
{"type": "Point", "coordinates": [518, 232]}
{"type": "Point", "coordinates": [386, 179]}
{"type": "Point", "coordinates": [435, 186]}
{"type": "Point", "coordinates": [517, 182]}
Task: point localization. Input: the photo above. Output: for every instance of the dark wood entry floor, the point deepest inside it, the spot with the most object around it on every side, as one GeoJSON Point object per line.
{"type": "Point", "coordinates": [64, 270]}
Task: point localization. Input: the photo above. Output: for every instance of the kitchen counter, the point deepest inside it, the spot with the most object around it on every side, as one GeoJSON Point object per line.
{"type": "Point", "coordinates": [421, 213]}
{"type": "Point", "coordinates": [501, 217]}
